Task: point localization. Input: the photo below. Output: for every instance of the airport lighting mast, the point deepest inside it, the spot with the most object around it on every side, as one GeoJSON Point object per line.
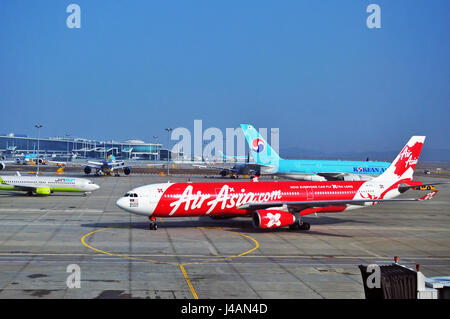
{"type": "Point", "coordinates": [155, 137]}
{"type": "Point", "coordinates": [38, 126]}
{"type": "Point", "coordinates": [168, 147]}
{"type": "Point", "coordinates": [67, 141]}
{"type": "Point", "coordinates": [223, 150]}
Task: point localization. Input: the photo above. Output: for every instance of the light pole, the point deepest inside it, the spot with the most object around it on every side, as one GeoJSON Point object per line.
{"type": "Point", "coordinates": [38, 126]}
{"type": "Point", "coordinates": [224, 149]}
{"type": "Point", "coordinates": [168, 147]}
{"type": "Point", "coordinates": [155, 137]}
{"type": "Point", "coordinates": [67, 140]}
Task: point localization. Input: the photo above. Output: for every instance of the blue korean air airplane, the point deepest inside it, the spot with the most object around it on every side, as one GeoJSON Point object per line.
{"type": "Point", "coordinates": [308, 170]}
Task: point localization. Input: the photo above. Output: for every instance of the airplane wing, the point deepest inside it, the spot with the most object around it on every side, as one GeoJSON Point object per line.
{"type": "Point", "coordinates": [21, 186]}
{"type": "Point", "coordinates": [118, 166]}
{"type": "Point", "coordinates": [331, 175]}
{"type": "Point", "coordinates": [97, 165]}
{"type": "Point", "coordinates": [324, 203]}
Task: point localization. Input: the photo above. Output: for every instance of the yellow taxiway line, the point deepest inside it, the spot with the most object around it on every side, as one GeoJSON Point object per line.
{"type": "Point", "coordinates": [180, 265]}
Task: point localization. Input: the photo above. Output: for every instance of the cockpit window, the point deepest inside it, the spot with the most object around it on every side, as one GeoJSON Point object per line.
{"type": "Point", "coordinates": [130, 195]}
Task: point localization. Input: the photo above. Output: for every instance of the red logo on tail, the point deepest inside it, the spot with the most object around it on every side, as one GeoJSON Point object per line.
{"type": "Point", "coordinates": [408, 158]}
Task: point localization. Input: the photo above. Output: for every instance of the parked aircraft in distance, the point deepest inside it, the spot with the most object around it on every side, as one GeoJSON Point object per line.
{"type": "Point", "coordinates": [107, 167]}
{"type": "Point", "coordinates": [45, 185]}
{"type": "Point", "coordinates": [308, 170]}
{"type": "Point", "coordinates": [31, 159]}
{"type": "Point", "coordinates": [276, 204]}
{"type": "Point", "coordinates": [247, 168]}
{"type": "Point", "coordinates": [3, 164]}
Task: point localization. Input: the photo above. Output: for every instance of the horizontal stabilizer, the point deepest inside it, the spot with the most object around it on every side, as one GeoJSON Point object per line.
{"type": "Point", "coordinates": [429, 195]}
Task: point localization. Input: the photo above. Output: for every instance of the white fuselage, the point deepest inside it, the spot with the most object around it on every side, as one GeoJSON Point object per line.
{"type": "Point", "coordinates": [54, 183]}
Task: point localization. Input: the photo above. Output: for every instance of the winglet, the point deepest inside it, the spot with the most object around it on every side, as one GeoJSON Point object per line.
{"type": "Point", "coordinates": [429, 195]}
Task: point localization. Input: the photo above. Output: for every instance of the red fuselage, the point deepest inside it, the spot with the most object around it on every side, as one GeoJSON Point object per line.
{"type": "Point", "coordinates": [224, 199]}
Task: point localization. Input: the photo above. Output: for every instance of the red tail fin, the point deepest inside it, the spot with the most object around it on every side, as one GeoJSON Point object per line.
{"type": "Point", "coordinates": [405, 163]}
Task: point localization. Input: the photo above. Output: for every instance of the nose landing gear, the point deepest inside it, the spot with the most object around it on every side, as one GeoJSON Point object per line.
{"type": "Point", "coordinates": [153, 225]}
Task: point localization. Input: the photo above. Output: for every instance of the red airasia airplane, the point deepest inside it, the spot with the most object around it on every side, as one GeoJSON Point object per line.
{"type": "Point", "coordinates": [276, 204]}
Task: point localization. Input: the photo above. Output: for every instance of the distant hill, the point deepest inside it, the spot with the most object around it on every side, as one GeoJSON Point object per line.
{"type": "Point", "coordinates": [428, 155]}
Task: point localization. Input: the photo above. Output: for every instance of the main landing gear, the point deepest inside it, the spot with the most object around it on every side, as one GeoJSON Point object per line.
{"type": "Point", "coordinates": [153, 225]}
{"type": "Point", "coordinates": [300, 226]}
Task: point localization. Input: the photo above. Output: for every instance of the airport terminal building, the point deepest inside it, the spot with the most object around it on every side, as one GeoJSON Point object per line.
{"type": "Point", "coordinates": [19, 144]}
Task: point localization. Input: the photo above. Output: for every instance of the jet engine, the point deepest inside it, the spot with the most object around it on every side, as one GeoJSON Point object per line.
{"type": "Point", "coordinates": [310, 178]}
{"type": "Point", "coordinates": [272, 218]}
{"type": "Point", "coordinates": [356, 178]}
{"type": "Point", "coordinates": [43, 191]}
{"type": "Point", "coordinates": [351, 178]}
{"type": "Point", "coordinates": [126, 170]}
{"type": "Point", "coordinates": [2, 166]}
{"type": "Point", "coordinates": [87, 170]}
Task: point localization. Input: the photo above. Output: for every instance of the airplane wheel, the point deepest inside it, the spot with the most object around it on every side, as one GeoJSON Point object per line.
{"type": "Point", "coordinates": [153, 226]}
{"type": "Point", "coordinates": [305, 226]}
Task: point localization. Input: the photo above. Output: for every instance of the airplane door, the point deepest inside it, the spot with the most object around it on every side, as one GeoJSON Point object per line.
{"type": "Point", "coordinates": [309, 193]}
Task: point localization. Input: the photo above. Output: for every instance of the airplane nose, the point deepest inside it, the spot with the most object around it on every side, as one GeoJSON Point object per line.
{"type": "Point", "coordinates": [122, 202]}
{"type": "Point", "coordinates": [95, 187]}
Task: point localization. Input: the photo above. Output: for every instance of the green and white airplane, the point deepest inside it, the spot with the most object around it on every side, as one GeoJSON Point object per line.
{"type": "Point", "coordinates": [43, 185]}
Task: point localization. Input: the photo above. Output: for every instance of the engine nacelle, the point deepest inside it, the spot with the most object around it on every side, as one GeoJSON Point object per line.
{"type": "Point", "coordinates": [2, 166]}
{"type": "Point", "coordinates": [351, 178]}
{"type": "Point", "coordinates": [272, 218]}
{"type": "Point", "coordinates": [356, 178]}
{"type": "Point", "coordinates": [87, 170]}
{"type": "Point", "coordinates": [126, 170]}
{"type": "Point", "coordinates": [43, 191]}
{"type": "Point", "coordinates": [312, 178]}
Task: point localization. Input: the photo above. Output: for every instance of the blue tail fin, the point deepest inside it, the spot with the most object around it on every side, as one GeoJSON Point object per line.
{"type": "Point", "coordinates": [261, 151]}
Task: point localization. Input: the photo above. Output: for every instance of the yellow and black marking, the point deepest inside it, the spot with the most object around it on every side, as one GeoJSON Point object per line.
{"type": "Point", "coordinates": [425, 188]}
{"type": "Point", "coordinates": [180, 265]}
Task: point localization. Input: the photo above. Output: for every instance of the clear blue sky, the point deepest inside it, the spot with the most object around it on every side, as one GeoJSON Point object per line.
{"type": "Point", "coordinates": [311, 68]}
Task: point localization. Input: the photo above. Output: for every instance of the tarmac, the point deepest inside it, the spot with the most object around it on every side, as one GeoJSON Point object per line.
{"type": "Point", "coordinates": [203, 258]}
